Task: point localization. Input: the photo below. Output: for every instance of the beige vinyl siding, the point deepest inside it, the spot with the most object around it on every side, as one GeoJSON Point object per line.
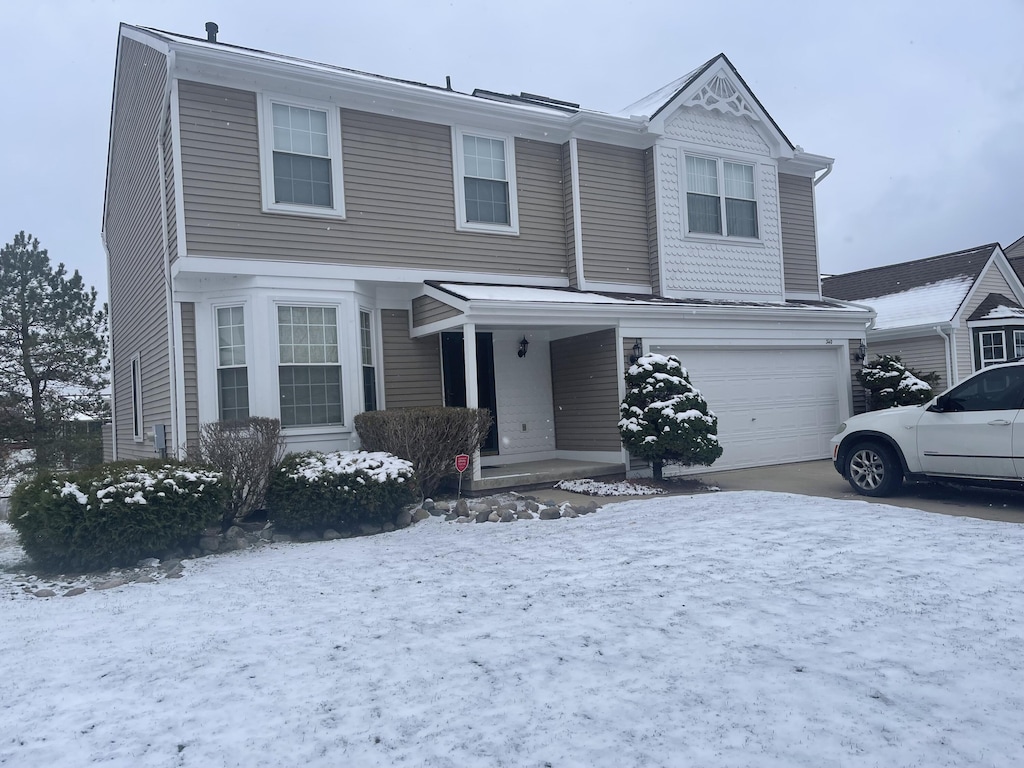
{"type": "Point", "coordinates": [570, 220]}
{"type": "Point", "coordinates": [399, 196]}
{"type": "Point", "coordinates": [926, 354]}
{"type": "Point", "coordinates": [412, 367]}
{"type": "Point", "coordinates": [799, 245]}
{"type": "Point", "coordinates": [132, 226]}
{"type": "Point", "coordinates": [992, 281]}
{"type": "Point", "coordinates": [169, 197]}
{"type": "Point", "coordinates": [613, 214]}
{"type": "Point", "coordinates": [585, 390]}
{"type": "Point", "coordinates": [652, 221]}
{"type": "Point", "coordinates": [427, 310]}
{"type": "Point", "coordinates": [190, 374]}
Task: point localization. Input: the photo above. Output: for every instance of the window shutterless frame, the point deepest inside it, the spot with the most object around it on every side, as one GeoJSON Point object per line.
{"type": "Point", "coordinates": [993, 347]}
{"type": "Point", "coordinates": [484, 172]}
{"type": "Point", "coordinates": [232, 367]}
{"type": "Point", "coordinates": [309, 365]}
{"type": "Point", "coordinates": [1018, 344]}
{"type": "Point", "coordinates": [300, 157]}
{"type": "Point", "coordinates": [721, 197]}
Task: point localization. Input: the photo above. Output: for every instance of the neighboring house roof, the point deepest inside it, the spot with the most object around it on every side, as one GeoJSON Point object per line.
{"type": "Point", "coordinates": [1014, 253]}
{"type": "Point", "coordinates": [997, 307]}
{"type": "Point", "coordinates": [912, 293]}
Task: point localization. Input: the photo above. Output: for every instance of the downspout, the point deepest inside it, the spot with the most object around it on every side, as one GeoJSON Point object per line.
{"type": "Point", "coordinates": [577, 214]}
{"type": "Point", "coordinates": [950, 355]}
{"type": "Point", "coordinates": [819, 179]}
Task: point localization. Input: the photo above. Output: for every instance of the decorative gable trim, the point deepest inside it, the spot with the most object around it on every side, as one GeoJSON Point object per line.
{"type": "Point", "coordinates": [998, 262]}
{"type": "Point", "coordinates": [717, 86]}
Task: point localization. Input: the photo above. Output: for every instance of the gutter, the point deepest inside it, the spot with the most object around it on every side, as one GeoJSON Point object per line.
{"type": "Point", "coordinates": [828, 170]}
{"type": "Point", "coordinates": [950, 353]}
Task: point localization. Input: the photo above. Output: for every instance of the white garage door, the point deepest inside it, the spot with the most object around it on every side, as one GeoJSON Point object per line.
{"type": "Point", "coordinates": [773, 405]}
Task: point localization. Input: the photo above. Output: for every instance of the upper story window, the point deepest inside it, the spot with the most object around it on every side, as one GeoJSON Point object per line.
{"type": "Point", "coordinates": [721, 197]}
{"type": "Point", "coordinates": [300, 155]}
{"type": "Point", "coordinates": [485, 182]}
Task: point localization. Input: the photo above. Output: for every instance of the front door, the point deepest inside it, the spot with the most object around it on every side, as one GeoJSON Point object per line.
{"type": "Point", "coordinates": [453, 366]}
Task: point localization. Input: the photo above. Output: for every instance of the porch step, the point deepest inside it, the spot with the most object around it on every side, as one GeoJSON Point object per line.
{"type": "Point", "coordinates": [539, 473]}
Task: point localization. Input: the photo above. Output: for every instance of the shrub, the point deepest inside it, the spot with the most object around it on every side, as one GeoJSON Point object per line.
{"type": "Point", "coordinates": [664, 418]}
{"type": "Point", "coordinates": [115, 514]}
{"type": "Point", "coordinates": [430, 438]}
{"type": "Point", "coordinates": [890, 383]}
{"type": "Point", "coordinates": [247, 453]}
{"type": "Point", "coordinates": [340, 490]}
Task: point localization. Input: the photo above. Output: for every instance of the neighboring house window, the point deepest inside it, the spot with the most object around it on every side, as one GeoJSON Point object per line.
{"type": "Point", "coordinates": [993, 349]}
{"type": "Point", "coordinates": [137, 397]}
{"type": "Point", "coordinates": [301, 158]}
{"type": "Point", "coordinates": [366, 358]}
{"type": "Point", "coordinates": [232, 374]}
{"type": "Point", "coordinates": [721, 197]}
{"type": "Point", "coordinates": [485, 187]}
{"type": "Point", "coordinates": [309, 374]}
{"type": "Point", "coordinates": [1018, 344]}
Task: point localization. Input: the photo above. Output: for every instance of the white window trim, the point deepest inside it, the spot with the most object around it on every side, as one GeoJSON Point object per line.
{"type": "Point", "coordinates": [266, 133]}
{"type": "Point", "coordinates": [374, 352]}
{"type": "Point", "coordinates": [461, 224]}
{"type": "Point", "coordinates": [346, 405]}
{"type": "Point", "coordinates": [981, 347]}
{"type": "Point", "coordinates": [758, 198]}
{"type": "Point", "coordinates": [138, 426]}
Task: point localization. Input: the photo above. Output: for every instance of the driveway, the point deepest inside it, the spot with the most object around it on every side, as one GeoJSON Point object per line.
{"type": "Point", "coordinates": [819, 478]}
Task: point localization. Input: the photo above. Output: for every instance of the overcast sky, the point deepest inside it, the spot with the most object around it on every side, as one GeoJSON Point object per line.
{"type": "Point", "coordinates": [921, 103]}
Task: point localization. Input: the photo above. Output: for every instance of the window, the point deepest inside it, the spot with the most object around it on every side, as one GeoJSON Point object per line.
{"type": "Point", "coordinates": [309, 375]}
{"type": "Point", "coordinates": [485, 188]}
{"type": "Point", "coordinates": [1018, 344]}
{"type": "Point", "coordinates": [993, 349]}
{"type": "Point", "coordinates": [707, 199]}
{"type": "Point", "coordinates": [997, 390]}
{"type": "Point", "coordinates": [137, 397]}
{"type": "Point", "coordinates": [232, 374]}
{"type": "Point", "coordinates": [366, 358]}
{"type": "Point", "coordinates": [301, 158]}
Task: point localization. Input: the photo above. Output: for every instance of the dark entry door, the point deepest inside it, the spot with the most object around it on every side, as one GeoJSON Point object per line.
{"type": "Point", "coordinates": [453, 362]}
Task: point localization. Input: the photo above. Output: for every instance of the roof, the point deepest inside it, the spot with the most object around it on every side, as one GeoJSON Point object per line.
{"type": "Point", "coordinates": [997, 307]}
{"type": "Point", "coordinates": [913, 292]}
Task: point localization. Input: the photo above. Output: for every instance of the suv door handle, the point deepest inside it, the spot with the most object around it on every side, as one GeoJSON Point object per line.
{"type": "Point", "coordinates": [999, 423]}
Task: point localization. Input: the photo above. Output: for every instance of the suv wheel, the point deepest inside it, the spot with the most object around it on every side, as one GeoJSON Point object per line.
{"type": "Point", "coordinates": [873, 469]}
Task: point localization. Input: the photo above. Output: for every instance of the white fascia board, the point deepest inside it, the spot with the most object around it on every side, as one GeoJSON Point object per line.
{"type": "Point", "coordinates": [450, 323]}
{"type": "Point", "coordinates": [804, 164]}
{"type": "Point", "coordinates": [996, 261]}
{"type": "Point", "coordinates": [909, 332]}
{"type": "Point", "coordinates": [199, 265]}
{"type": "Point", "coordinates": [379, 95]}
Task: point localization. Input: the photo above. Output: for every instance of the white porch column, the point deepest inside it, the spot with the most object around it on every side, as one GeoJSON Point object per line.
{"type": "Point", "coordinates": [472, 392]}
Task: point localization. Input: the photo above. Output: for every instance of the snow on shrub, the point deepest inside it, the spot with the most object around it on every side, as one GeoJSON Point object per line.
{"type": "Point", "coordinates": [665, 419]}
{"type": "Point", "coordinates": [890, 383]}
{"type": "Point", "coordinates": [340, 490]}
{"type": "Point", "coordinates": [597, 488]}
{"type": "Point", "coordinates": [115, 514]}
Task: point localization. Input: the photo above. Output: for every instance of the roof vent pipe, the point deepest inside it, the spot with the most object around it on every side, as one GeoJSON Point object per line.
{"type": "Point", "coordinates": [211, 31]}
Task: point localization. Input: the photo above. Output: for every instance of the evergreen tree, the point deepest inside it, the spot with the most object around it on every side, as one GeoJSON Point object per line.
{"type": "Point", "coordinates": [52, 348]}
{"type": "Point", "coordinates": [890, 383]}
{"type": "Point", "coordinates": [664, 419]}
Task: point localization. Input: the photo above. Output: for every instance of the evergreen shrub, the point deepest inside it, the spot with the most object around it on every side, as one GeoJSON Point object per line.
{"type": "Point", "coordinates": [430, 438]}
{"type": "Point", "coordinates": [891, 383]}
{"type": "Point", "coordinates": [340, 490]}
{"type": "Point", "coordinates": [114, 514]}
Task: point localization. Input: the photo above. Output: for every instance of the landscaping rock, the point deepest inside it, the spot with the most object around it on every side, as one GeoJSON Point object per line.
{"type": "Point", "coordinates": [524, 514]}
{"type": "Point", "coordinates": [550, 513]}
{"type": "Point", "coordinates": [109, 584]}
{"type": "Point", "coordinates": [366, 529]}
{"type": "Point", "coordinates": [533, 506]}
{"type": "Point", "coordinates": [494, 517]}
{"type": "Point", "coordinates": [482, 515]}
{"type": "Point", "coordinates": [507, 516]}
{"type": "Point", "coordinates": [428, 504]}
{"type": "Point", "coordinates": [404, 518]}
{"type": "Point", "coordinates": [421, 514]}
{"type": "Point", "coordinates": [451, 516]}
{"type": "Point", "coordinates": [44, 593]}
{"type": "Point", "coordinates": [462, 507]}
{"type": "Point", "coordinates": [388, 527]}
{"type": "Point", "coordinates": [331, 535]}
{"type": "Point", "coordinates": [149, 562]}
{"type": "Point", "coordinates": [306, 536]}
{"type": "Point", "coordinates": [75, 591]}
{"type": "Point", "coordinates": [209, 543]}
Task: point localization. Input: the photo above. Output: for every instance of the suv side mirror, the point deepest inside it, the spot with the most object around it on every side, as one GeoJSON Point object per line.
{"type": "Point", "coordinates": [939, 406]}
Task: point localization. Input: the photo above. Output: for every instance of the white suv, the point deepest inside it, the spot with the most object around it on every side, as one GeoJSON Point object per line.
{"type": "Point", "coordinates": [974, 433]}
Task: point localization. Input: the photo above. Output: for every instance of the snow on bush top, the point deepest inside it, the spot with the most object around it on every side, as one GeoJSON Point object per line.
{"type": "Point", "coordinates": [134, 485]}
{"type": "Point", "coordinates": [379, 465]}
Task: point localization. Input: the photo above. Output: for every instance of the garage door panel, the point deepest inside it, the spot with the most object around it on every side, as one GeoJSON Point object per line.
{"type": "Point", "coordinates": [773, 406]}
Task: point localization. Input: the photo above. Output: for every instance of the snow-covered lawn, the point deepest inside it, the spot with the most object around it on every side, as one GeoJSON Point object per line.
{"type": "Point", "coordinates": [735, 629]}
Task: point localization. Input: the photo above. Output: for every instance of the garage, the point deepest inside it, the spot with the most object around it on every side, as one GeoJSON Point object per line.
{"type": "Point", "coordinates": [774, 405]}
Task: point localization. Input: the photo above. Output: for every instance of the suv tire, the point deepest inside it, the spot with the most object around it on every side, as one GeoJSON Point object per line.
{"type": "Point", "coordinates": [873, 469]}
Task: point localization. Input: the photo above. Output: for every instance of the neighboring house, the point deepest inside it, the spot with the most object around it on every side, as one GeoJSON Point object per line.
{"type": "Point", "coordinates": [307, 242]}
{"type": "Point", "coordinates": [952, 314]}
{"type": "Point", "coordinates": [1015, 255]}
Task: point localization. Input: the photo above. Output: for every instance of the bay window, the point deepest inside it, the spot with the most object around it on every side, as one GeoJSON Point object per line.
{"type": "Point", "coordinates": [232, 372]}
{"type": "Point", "coordinates": [309, 371]}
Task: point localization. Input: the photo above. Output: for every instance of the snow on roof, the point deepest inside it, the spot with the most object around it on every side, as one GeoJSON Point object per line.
{"type": "Point", "coordinates": [522, 293]}
{"type": "Point", "coordinates": [1003, 311]}
{"type": "Point", "coordinates": [652, 102]}
{"type": "Point", "coordinates": [933, 303]}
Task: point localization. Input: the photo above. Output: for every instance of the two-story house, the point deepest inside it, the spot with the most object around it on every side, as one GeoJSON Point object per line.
{"type": "Point", "coordinates": [303, 241]}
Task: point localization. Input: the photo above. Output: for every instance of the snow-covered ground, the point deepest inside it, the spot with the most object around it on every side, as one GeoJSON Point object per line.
{"type": "Point", "coordinates": [734, 629]}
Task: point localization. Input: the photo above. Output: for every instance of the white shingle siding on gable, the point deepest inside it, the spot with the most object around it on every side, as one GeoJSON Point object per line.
{"type": "Point", "coordinates": [992, 281]}
{"type": "Point", "coordinates": [713, 267]}
{"type": "Point", "coordinates": [716, 131]}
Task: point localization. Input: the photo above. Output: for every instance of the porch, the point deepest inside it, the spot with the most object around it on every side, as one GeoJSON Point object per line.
{"type": "Point", "coordinates": [534, 474]}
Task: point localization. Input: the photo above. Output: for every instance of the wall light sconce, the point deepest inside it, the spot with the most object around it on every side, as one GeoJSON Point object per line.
{"type": "Point", "coordinates": [523, 346]}
{"type": "Point", "coordinates": [638, 351]}
{"type": "Point", "coordinates": [861, 353]}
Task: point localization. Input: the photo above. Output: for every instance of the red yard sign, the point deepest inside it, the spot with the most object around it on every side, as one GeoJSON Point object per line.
{"type": "Point", "coordinates": [461, 463]}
